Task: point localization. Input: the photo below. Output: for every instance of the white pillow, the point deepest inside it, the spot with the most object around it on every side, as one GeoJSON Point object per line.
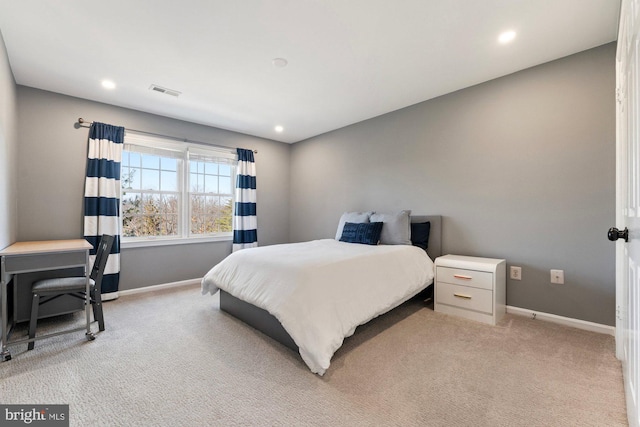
{"type": "Point", "coordinates": [355, 217]}
{"type": "Point", "coordinates": [396, 229]}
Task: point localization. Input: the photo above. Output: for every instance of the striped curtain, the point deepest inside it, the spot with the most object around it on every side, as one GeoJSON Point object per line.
{"type": "Point", "coordinates": [245, 221]}
{"type": "Point", "coordinates": [102, 198]}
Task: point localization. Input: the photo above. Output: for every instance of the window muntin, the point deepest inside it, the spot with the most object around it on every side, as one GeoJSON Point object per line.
{"type": "Point", "coordinates": [175, 190]}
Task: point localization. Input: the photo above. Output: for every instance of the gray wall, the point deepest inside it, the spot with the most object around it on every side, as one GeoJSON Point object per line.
{"type": "Point", "coordinates": [8, 151]}
{"type": "Point", "coordinates": [521, 168]}
{"type": "Point", "coordinates": [51, 167]}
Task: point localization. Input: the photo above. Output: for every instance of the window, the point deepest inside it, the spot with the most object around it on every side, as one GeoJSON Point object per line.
{"type": "Point", "coordinates": [174, 190]}
{"type": "Point", "coordinates": [210, 194]}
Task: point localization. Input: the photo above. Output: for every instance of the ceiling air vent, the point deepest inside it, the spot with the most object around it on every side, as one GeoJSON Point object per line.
{"type": "Point", "coordinates": [164, 90]}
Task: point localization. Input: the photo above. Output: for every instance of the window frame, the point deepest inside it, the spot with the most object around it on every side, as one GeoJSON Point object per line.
{"type": "Point", "coordinates": [180, 150]}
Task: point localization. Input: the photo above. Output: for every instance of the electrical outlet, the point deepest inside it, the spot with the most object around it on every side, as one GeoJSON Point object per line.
{"type": "Point", "coordinates": [557, 276]}
{"type": "Point", "coordinates": [515, 273]}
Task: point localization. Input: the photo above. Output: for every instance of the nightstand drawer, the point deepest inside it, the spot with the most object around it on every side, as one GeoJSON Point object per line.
{"type": "Point", "coordinates": [464, 297]}
{"type": "Point", "coordinates": [477, 279]}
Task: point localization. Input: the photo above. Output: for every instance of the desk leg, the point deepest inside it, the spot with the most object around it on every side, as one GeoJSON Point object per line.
{"type": "Point", "coordinates": [14, 281]}
{"type": "Point", "coordinates": [87, 305]}
{"type": "Point", "coordinates": [5, 355]}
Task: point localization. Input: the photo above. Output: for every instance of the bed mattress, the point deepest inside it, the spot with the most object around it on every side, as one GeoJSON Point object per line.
{"type": "Point", "coordinates": [321, 290]}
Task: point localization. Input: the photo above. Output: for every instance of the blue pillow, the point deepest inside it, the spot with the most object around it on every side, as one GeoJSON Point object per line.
{"type": "Point", "coordinates": [351, 217]}
{"type": "Point", "coordinates": [367, 233]}
{"type": "Point", "coordinates": [420, 234]}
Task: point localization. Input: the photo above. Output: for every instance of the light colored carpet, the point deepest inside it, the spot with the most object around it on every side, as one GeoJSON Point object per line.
{"type": "Point", "coordinates": [171, 358]}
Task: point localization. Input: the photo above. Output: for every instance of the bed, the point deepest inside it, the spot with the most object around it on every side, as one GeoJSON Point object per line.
{"type": "Point", "coordinates": [309, 296]}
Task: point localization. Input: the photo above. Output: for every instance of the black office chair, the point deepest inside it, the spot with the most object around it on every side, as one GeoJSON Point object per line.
{"type": "Point", "coordinates": [74, 286]}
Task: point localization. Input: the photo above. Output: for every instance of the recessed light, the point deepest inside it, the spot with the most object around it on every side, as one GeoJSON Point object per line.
{"type": "Point", "coordinates": [279, 129]}
{"type": "Point", "coordinates": [279, 62]}
{"type": "Point", "coordinates": [108, 84]}
{"type": "Point", "coordinates": [507, 37]}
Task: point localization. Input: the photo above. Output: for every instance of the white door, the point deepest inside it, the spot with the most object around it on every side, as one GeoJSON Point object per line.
{"type": "Point", "coordinates": [628, 203]}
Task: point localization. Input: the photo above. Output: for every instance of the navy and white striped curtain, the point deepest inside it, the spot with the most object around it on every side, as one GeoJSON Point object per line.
{"type": "Point", "coordinates": [102, 198]}
{"type": "Point", "coordinates": [245, 221]}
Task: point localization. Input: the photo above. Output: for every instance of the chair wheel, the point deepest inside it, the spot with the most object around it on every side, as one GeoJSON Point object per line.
{"type": "Point", "coordinates": [90, 336]}
{"type": "Point", "coordinates": [6, 356]}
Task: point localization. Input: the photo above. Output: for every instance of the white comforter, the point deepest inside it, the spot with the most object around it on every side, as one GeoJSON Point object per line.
{"type": "Point", "coordinates": [320, 291]}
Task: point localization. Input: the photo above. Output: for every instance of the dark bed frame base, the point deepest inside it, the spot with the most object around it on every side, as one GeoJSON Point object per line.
{"type": "Point", "coordinates": [254, 316]}
{"type": "Point", "coordinates": [263, 321]}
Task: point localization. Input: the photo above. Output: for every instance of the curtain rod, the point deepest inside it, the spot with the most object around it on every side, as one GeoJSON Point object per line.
{"type": "Point", "coordinates": [84, 122]}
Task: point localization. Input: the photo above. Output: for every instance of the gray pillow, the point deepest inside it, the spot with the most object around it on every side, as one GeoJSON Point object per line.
{"type": "Point", "coordinates": [396, 229]}
{"type": "Point", "coordinates": [355, 217]}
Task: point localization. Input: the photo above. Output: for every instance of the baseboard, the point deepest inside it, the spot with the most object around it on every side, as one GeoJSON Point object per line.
{"type": "Point", "coordinates": [567, 321]}
{"type": "Point", "coordinates": [159, 287]}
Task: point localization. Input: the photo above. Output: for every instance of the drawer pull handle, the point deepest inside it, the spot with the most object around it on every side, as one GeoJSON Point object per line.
{"type": "Point", "coordinates": [460, 276]}
{"type": "Point", "coordinates": [462, 296]}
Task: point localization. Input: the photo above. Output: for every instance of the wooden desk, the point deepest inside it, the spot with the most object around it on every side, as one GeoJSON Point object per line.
{"type": "Point", "coordinates": [26, 257]}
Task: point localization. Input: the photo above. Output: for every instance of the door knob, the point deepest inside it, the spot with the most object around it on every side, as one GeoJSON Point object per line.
{"type": "Point", "coordinates": [615, 234]}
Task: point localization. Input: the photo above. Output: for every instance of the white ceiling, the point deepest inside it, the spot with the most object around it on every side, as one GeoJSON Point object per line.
{"type": "Point", "coordinates": [348, 60]}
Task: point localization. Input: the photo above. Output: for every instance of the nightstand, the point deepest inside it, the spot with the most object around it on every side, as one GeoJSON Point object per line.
{"type": "Point", "coordinates": [471, 287]}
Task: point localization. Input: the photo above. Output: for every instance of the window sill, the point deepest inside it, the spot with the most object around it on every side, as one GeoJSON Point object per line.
{"type": "Point", "coordinates": [171, 242]}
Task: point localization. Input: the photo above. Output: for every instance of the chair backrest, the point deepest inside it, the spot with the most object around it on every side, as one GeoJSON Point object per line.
{"type": "Point", "coordinates": [102, 254]}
